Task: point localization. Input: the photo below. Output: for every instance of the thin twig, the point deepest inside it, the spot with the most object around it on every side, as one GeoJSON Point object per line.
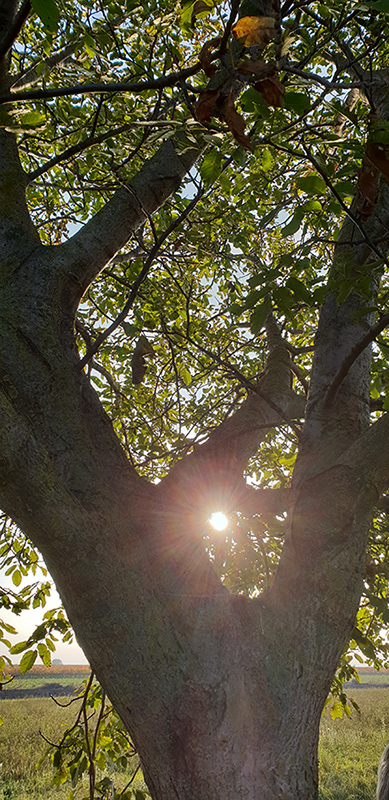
{"type": "Point", "coordinates": [226, 35]}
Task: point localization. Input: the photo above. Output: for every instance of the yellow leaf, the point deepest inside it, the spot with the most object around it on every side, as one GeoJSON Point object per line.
{"type": "Point", "coordinates": [254, 30]}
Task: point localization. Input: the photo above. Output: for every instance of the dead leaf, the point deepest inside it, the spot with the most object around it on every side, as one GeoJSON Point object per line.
{"type": "Point", "coordinates": [271, 89]}
{"type": "Point", "coordinates": [254, 30]}
{"type": "Point", "coordinates": [236, 123]}
{"type": "Point", "coordinates": [376, 153]}
{"type": "Point", "coordinates": [205, 104]}
{"type": "Point", "coordinates": [206, 55]}
{"type": "Point", "coordinates": [143, 348]}
{"type": "Point", "coordinates": [252, 67]}
{"type": "Point", "coordinates": [198, 8]}
{"type": "Point", "coordinates": [366, 196]}
{"type": "Point", "coordinates": [367, 184]}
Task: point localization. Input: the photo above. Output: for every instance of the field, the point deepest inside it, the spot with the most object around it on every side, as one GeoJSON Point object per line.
{"type": "Point", "coordinates": [349, 748]}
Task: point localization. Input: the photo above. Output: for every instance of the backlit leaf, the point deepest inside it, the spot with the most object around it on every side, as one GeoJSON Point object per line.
{"type": "Point", "coordinates": [48, 12]}
{"type": "Point", "coordinates": [27, 661]}
{"type": "Point", "coordinates": [259, 316]}
{"type": "Point", "coordinates": [211, 166]}
{"type": "Point", "coordinates": [254, 30]}
{"type": "Point", "coordinates": [311, 184]}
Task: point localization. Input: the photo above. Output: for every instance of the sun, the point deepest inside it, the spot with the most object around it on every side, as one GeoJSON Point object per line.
{"type": "Point", "coordinates": [218, 520]}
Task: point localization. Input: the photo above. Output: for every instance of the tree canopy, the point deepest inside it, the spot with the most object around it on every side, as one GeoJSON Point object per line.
{"type": "Point", "coordinates": [211, 178]}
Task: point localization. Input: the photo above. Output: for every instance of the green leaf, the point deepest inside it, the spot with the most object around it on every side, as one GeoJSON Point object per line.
{"type": "Point", "coordinates": [253, 102]}
{"type": "Point", "coordinates": [294, 224]}
{"type": "Point", "coordinates": [299, 290]}
{"type": "Point", "coordinates": [267, 160]}
{"type": "Point", "coordinates": [186, 377]}
{"type": "Point", "coordinates": [130, 330]}
{"type": "Point", "coordinates": [18, 648]}
{"type": "Point", "coordinates": [33, 119]}
{"type": "Point", "coordinates": [211, 166]}
{"type": "Point", "coordinates": [296, 101]}
{"type": "Point", "coordinates": [253, 297]}
{"type": "Point", "coordinates": [16, 577]}
{"type": "Point", "coordinates": [44, 653]}
{"type": "Point", "coordinates": [311, 184]}
{"type": "Point", "coordinates": [259, 316]}
{"type": "Point", "coordinates": [378, 5]}
{"type": "Point", "coordinates": [225, 183]}
{"type": "Point", "coordinates": [28, 661]}
{"type": "Point", "coordinates": [236, 309]}
{"type": "Point", "coordinates": [48, 12]}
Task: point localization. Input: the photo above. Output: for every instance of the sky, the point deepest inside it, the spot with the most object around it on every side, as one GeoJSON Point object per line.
{"type": "Point", "coordinates": [27, 621]}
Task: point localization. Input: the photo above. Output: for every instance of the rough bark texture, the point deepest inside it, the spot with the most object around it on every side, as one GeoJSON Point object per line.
{"type": "Point", "coordinates": [221, 695]}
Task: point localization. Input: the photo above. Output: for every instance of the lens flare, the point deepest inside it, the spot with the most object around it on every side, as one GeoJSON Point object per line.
{"type": "Point", "coordinates": [218, 520]}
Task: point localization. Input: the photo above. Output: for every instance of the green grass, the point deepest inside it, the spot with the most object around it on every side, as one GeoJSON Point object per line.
{"type": "Point", "coordinates": [21, 747]}
{"type": "Point", "coordinates": [376, 678]}
{"type": "Point", "coordinates": [349, 749]}
{"type": "Point", "coordinates": [35, 681]}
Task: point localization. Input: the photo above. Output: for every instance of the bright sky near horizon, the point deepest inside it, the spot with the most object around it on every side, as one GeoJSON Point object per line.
{"type": "Point", "coordinates": [27, 621]}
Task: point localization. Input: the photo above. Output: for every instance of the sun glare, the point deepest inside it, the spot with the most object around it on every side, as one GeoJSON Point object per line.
{"type": "Point", "coordinates": [218, 520]}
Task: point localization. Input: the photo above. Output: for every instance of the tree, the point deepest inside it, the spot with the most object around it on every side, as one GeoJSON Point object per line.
{"type": "Point", "coordinates": [243, 150]}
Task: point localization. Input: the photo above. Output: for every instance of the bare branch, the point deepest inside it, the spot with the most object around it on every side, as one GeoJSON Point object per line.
{"type": "Point", "coordinates": [103, 88]}
{"type": "Point", "coordinates": [74, 150]}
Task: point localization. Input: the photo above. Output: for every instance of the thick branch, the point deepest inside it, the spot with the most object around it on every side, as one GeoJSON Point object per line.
{"type": "Point", "coordinates": [14, 30]}
{"type": "Point", "coordinates": [89, 250]}
{"type": "Point", "coordinates": [213, 471]}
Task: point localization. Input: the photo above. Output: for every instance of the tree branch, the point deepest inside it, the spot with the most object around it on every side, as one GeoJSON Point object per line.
{"type": "Point", "coordinates": [213, 471]}
{"type": "Point", "coordinates": [84, 255]}
{"type": "Point", "coordinates": [31, 76]}
{"type": "Point", "coordinates": [13, 32]}
{"type": "Point", "coordinates": [352, 356]}
{"type": "Point", "coordinates": [102, 88]}
{"type": "Point", "coordinates": [139, 280]}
